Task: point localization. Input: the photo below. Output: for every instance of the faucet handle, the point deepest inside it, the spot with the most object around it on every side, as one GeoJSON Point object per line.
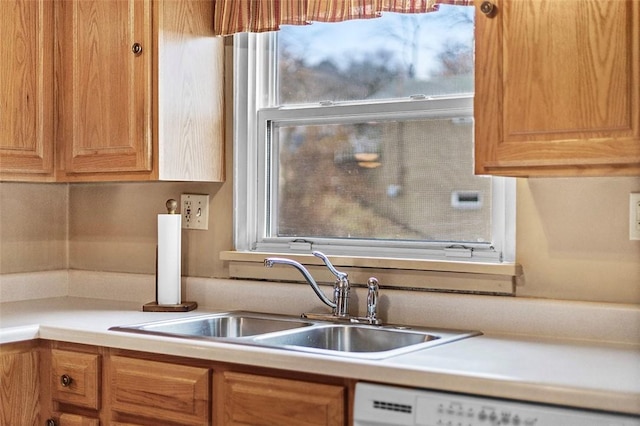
{"type": "Point", "coordinates": [339, 275]}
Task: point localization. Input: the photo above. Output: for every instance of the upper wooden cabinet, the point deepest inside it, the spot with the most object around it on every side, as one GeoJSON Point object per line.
{"type": "Point", "coordinates": [104, 115]}
{"type": "Point", "coordinates": [26, 95]}
{"type": "Point", "coordinates": [558, 88]}
{"type": "Point", "coordinates": [140, 88]}
{"type": "Point", "coordinates": [134, 91]}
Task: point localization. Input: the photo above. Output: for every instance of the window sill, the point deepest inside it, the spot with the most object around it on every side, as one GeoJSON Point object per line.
{"type": "Point", "coordinates": [415, 274]}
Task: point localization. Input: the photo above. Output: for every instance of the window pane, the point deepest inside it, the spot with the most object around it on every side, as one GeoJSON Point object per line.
{"type": "Point", "coordinates": [395, 180]}
{"type": "Point", "coordinates": [394, 56]}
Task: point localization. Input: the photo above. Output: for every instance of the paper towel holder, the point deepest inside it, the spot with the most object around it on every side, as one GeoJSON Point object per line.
{"type": "Point", "coordinates": [172, 206]}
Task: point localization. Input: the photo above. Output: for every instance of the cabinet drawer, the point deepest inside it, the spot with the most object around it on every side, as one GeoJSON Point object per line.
{"type": "Point", "coordinates": [159, 390]}
{"type": "Point", "coordinates": [75, 420]}
{"type": "Point", "coordinates": [75, 378]}
{"type": "Point", "coordinates": [248, 399]}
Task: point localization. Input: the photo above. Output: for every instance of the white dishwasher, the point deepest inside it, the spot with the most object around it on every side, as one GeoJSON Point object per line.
{"type": "Point", "coordinates": [378, 405]}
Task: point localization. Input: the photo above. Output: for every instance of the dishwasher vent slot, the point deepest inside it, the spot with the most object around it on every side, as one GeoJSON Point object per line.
{"type": "Point", "coordinates": [392, 406]}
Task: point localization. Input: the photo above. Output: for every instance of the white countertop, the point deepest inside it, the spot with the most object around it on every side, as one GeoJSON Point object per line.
{"type": "Point", "coordinates": [575, 373]}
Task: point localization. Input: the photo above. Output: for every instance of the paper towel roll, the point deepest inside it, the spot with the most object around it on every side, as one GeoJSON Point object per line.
{"type": "Point", "coordinates": [169, 259]}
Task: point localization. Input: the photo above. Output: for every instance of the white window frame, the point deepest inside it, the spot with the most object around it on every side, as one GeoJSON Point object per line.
{"type": "Point", "coordinates": [253, 72]}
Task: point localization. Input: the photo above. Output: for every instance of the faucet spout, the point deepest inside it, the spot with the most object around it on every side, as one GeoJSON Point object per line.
{"type": "Point", "coordinates": [341, 287]}
{"type": "Point", "coordinates": [270, 261]}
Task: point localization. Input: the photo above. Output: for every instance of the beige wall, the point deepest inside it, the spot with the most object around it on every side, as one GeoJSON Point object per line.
{"type": "Point", "coordinates": [112, 227]}
{"type": "Point", "coordinates": [33, 227]}
{"type": "Point", "coordinates": [572, 234]}
{"type": "Point", "coordinates": [572, 239]}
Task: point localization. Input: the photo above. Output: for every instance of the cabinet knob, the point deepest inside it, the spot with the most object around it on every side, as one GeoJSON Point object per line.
{"type": "Point", "coordinates": [136, 48]}
{"type": "Point", "coordinates": [488, 8]}
{"type": "Point", "coordinates": [65, 380]}
{"type": "Point", "coordinates": [50, 422]}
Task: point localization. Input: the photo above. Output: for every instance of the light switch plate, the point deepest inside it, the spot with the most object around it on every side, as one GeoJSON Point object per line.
{"type": "Point", "coordinates": [634, 216]}
{"type": "Point", "coordinates": [194, 209]}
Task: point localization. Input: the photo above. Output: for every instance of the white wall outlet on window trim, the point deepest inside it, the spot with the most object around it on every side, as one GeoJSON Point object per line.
{"type": "Point", "coordinates": [634, 216]}
{"type": "Point", "coordinates": [194, 209]}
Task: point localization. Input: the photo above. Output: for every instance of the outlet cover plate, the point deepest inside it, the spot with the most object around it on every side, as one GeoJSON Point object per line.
{"type": "Point", "coordinates": [194, 209]}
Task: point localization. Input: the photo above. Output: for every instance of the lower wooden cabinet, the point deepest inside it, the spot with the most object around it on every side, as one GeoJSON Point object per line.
{"type": "Point", "coordinates": [159, 391]}
{"type": "Point", "coordinates": [73, 420]}
{"type": "Point", "coordinates": [74, 393]}
{"type": "Point", "coordinates": [249, 399]}
{"type": "Point", "coordinates": [75, 378]}
{"type": "Point", "coordinates": [65, 384]}
{"type": "Point", "coordinates": [19, 384]}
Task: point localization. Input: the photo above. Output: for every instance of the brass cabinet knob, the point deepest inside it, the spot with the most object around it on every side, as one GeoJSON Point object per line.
{"type": "Point", "coordinates": [136, 48]}
{"type": "Point", "coordinates": [488, 8]}
{"type": "Point", "coordinates": [65, 380]}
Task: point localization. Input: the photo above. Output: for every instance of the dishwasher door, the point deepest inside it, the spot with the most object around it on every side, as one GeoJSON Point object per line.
{"type": "Point", "coordinates": [378, 405]}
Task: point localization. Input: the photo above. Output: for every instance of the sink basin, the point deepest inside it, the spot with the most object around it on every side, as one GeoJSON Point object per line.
{"type": "Point", "coordinates": [230, 325]}
{"type": "Point", "coordinates": [349, 338]}
{"type": "Point", "coordinates": [307, 335]}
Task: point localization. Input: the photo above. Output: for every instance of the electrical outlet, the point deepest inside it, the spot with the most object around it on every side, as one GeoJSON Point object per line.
{"type": "Point", "coordinates": [194, 209]}
{"type": "Point", "coordinates": [634, 216]}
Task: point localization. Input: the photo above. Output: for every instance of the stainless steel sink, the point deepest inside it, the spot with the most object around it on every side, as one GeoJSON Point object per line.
{"type": "Point", "coordinates": [360, 341]}
{"type": "Point", "coordinates": [228, 325]}
{"type": "Point", "coordinates": [349, 338]}
{"type": "Point", "coordinates": [293, 333]}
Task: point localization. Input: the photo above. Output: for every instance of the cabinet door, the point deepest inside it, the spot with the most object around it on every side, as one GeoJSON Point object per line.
{"type": "Point", "coordinates": [247, 399]}
{"type": "Point", "coordinates": [159, 391]}
{"type": "Point", "coordinates": [558, 88]}
{"type": "Point", "coordinates": [26, 98]}
{"type": "Point", "coordinates": [20, 385]}
{"type": "Point", "coordinates": [105, 86]}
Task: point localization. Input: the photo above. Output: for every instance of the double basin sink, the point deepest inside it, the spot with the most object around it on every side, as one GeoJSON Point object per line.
{"type": "Point", "coordinates": [301, 334]}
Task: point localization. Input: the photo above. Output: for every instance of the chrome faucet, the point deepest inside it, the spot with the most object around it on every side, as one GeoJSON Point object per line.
{"type": "Point", "coordinates": [340, 303]}
{"type": "Point", "coordinates": [341, 287]}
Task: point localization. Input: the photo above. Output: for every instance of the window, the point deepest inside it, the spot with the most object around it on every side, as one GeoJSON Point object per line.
{"type": "Point", "coordinates": [356, 138]}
